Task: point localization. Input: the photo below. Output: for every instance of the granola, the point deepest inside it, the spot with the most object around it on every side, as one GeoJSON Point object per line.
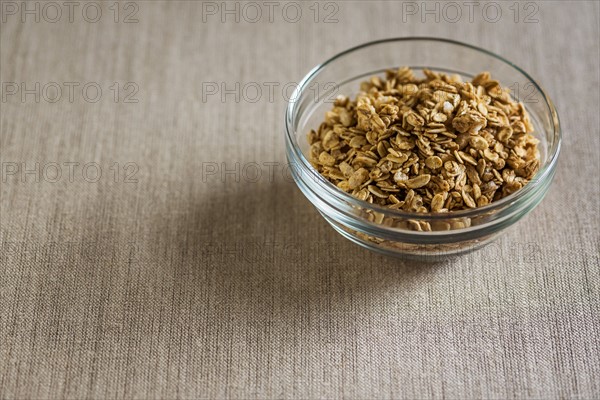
{"type": "Point", "coordinates": [434, 144]}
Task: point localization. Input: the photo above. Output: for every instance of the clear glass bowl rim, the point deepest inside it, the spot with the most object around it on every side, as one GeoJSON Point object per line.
{"type": "Point", "coordinates": [544, 173]}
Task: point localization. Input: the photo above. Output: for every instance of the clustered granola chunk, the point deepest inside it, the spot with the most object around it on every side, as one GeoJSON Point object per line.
{"type": "Point", "coordinates": [427, 145]}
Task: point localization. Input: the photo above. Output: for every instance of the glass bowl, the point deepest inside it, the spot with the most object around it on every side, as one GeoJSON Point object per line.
{"type": "Point", "coordinates": [401, 233]}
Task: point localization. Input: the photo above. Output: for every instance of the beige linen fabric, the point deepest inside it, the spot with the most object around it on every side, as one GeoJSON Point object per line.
{"type": "Point", "coordinates": [161, 279]}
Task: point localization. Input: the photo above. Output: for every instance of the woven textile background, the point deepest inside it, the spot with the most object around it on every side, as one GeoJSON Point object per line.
{"type": "Point", "coordinates": [153, 246]}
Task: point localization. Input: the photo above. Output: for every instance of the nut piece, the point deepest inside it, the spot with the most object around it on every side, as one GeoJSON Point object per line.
{"type": "Point", "coordinates": [358, 178]}
{"type": "Point", "coordinates": [326, 159]}
{"type": "Point", "coordinates": [472, 121]}
{"type": "Point", "coordinates": [400, 177]}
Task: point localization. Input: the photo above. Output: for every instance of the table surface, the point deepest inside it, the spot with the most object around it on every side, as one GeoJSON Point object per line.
{"type": "Point", "coordinates": [153, 245]}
